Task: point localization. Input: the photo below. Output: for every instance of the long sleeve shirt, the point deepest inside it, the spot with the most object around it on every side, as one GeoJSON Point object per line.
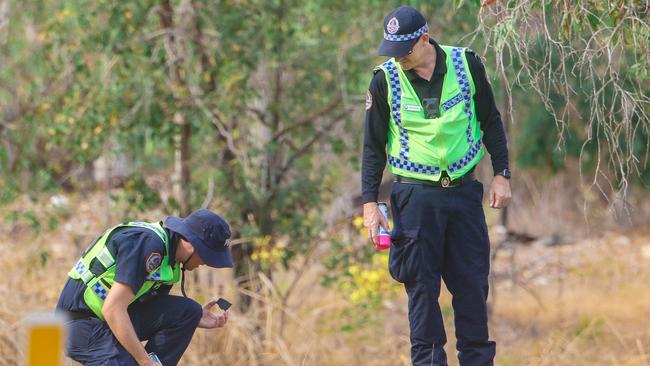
{"type": "Point", "coordinates": [378, 117]}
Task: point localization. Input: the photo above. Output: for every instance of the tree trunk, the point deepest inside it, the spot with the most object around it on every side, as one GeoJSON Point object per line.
{"type": "Point", "coordinates": [182, 176]}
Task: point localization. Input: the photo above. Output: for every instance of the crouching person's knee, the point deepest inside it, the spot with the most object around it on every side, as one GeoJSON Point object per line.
{"type": "Point", "coordinates": [192, 312]}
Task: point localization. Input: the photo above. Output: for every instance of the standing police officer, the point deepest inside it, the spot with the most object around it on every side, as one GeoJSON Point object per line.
{"type": "Point", "coordinates": [118, 291]}
{"type": "Point", "coordinates": [428, 105]}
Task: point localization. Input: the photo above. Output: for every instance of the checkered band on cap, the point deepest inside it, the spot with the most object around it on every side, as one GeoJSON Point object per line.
{"type": "Point", "coordinates": [406, 37]}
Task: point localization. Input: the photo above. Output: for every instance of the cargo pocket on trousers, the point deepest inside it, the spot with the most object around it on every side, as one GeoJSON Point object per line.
{"type": "Point", "coordinates": [404, 258]}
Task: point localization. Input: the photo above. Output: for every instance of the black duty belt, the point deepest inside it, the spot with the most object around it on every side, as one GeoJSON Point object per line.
{"type": "Point", "coordinates": [444, 182]}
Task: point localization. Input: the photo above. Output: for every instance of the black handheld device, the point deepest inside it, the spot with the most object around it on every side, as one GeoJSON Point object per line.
{"type": "Point", "coordinates": [223, 304]}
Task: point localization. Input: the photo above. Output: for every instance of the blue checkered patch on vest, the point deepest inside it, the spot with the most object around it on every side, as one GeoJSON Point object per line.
{"type": "Point", "coordinates": [463, 81]}
{"type": "Point", "coordinates": [100, 290]}
{"type": "Point", "coordinates": [471, 154]}
{"type": "Point", "coordinates": [452, 102]}
{"type": "Point", "coordinates": [412, 167]}
{"type": "Point", "coordinates": [402, 162]}
{"type": "Point", "coordinates": [466, 96]}
{"type": "Point", "coordinates": [406, 37]}
{"type": "Point", "coordinates": [396, 105]}
{"type": "Point", "coordinates": [154, 276]}
{"type": "Point", "coordinates": [80, 268]}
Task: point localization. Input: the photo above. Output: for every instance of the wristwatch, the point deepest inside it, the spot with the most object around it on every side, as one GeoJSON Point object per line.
{"type": "Point", "coordinates": [504, 173]}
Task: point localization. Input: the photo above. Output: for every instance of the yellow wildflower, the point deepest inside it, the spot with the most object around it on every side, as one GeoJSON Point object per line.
{"type": "Point", "coordinates": [358, 222]}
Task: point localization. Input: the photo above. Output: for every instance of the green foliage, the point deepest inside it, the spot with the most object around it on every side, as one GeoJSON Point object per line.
{"type": "Point", "coordinates": [44, 255]}
{"type": "Point", "coordinates": [135, 197]}
{"type": "Point", "coordinates": [273, 94]}
{"type": "Point", "coordinates": [587, 63]}
{"type": "Point", "coordinates": [29, 217]}
{"type": "Point", "coordinates": [264, 85]}
{"type": "Point", "coordinates": [589, 327]}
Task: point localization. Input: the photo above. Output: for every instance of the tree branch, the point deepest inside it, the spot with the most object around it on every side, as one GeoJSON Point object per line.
{"type": "Point", "coordinates": [309, 119]}
{"type": "Point", "coordinates": [260, 115]}
{"type": "Point", "coordinates": [198, 42]}
{"type": "Point", "coordinates": [216, 119]}
{"type": "Point", "coordinates": [307, 146]}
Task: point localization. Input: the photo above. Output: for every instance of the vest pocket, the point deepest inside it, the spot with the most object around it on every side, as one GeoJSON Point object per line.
{"type": "Point", "coordinates": [404, 259]}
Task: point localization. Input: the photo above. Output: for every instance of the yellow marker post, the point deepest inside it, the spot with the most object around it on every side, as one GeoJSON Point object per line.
{"type": "Point", "coordinates": [45, 339]}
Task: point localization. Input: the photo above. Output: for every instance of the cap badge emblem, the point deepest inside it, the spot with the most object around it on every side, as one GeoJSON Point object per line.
{"type": "Point", "coordinates": [393, 26]}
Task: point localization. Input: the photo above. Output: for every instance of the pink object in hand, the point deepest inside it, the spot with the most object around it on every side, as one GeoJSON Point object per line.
{"type": "Point", "coordinates": [384, 242]}
{"type": "Point", "coordinates": [384, 236]}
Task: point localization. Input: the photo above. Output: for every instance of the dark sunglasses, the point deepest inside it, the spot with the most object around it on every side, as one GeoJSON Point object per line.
{"type": "Point", "coordinates": [411, 51]}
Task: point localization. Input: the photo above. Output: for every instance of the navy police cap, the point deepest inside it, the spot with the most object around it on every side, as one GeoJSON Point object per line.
{"type": "Point", "coordinates": [402, 28]}
{"type": "Point", "coordinates": [208, 233]}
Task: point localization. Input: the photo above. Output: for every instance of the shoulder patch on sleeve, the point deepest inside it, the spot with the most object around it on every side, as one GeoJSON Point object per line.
{"type": "Point", "coordinates": [153, 261]}
{"type": "Point", "coordinates": [368, 100]}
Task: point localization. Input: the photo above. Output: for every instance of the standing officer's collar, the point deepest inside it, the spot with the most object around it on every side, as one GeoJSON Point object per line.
{"type": "Point", "coordinates": [441, 63]}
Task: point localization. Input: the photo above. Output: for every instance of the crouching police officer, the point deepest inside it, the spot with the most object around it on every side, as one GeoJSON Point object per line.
{"type": "Point", "coordinates": [118, 291]}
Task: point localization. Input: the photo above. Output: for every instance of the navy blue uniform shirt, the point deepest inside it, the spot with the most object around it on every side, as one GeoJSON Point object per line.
{"type": "Point", "coordinates": [378, 113]}
{"type": "Point", "coordinates": [134, 247]}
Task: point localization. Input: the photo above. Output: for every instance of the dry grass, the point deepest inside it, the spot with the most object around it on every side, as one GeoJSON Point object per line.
{"type": "Point", "coordinates": [581, 304]}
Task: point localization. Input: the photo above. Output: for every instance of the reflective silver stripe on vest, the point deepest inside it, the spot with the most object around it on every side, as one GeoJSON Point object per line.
{"type": "Point", "coordinates": [83, 272]}
{"type": "Point", "coordinates": [87, 276]}
{"type": "Point", "coordinates": [465, 91]}
{"type": "Point", "coordinates": [146, 225]}
{"type": "Point", "coordinates": [105, 258]}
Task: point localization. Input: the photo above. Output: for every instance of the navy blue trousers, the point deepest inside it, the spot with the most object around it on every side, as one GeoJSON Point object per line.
{"type": "Point", "coordinates": [166, 322]}
{"type": "Point", "coordinates": [440, 233]}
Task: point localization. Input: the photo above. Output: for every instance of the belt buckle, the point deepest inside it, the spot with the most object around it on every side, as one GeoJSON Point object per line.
{"type": "Point", "coordinates": [445, 182]}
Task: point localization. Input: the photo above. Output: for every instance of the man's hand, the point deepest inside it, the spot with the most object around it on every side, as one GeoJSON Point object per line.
{"type": "Point", "coordinates": [117, 317]}
{"type": "Point", "coordinates": [500, 194]}
{"type": "Point", "coordinates": [210, 320]}
{"type": "Point", "coordinates": [150, 362]}
{"type": "Point", "coordinates": [372, 218]}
